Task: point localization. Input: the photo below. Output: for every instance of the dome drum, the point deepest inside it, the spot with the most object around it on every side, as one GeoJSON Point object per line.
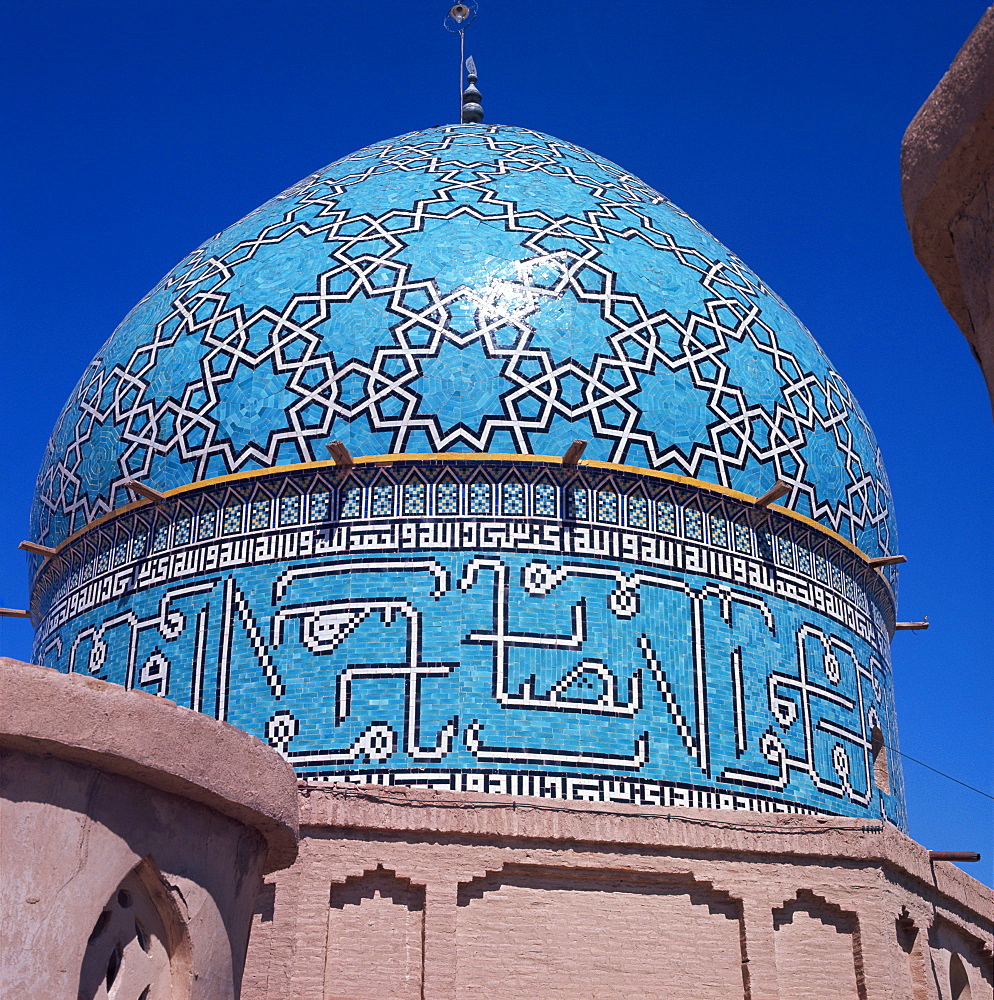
{"type": "Point", "coordinates": [498, 623]}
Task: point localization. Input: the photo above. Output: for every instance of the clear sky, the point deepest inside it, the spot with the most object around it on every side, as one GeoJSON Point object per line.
{"type": "Point", "coordinates": [134, 131]}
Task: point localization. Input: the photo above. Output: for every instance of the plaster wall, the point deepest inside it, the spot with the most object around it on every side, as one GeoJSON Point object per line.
{"type": "Point", "coordinates": [133, 837]}
{"type": "Point", "coordinates": [947, 174]}
{"type": "Point", "coordinates": [407, 893]}
{"type": "Point", "coordinates": [72, 834]}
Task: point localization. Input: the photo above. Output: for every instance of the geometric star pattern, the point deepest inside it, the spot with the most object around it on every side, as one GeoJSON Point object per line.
{"type": "Point", "coordinates": [466, 288]}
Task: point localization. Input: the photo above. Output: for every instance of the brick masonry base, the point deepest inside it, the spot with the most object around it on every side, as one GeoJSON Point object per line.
{"type": "Point", "coordinates": [400, 893]}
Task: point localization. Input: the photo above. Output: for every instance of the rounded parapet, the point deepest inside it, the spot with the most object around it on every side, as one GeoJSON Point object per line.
{"type": "Point", "coordinates": [152, 740]}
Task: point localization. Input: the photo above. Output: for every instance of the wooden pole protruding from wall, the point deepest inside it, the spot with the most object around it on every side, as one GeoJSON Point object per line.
{"type": "Point", "coordinates": [878, 561]}
{"type": "Point", "coordinates": [911, 626]}
{"type": "Point", "coordinates": [14, 613]}
{"type": "Point", "coordinates": [340, 454]}
{"type": "Point", "coordinates": [574, 452]}
{"type": "Point", "coordinates": [37, 550]}
{"type": "Point", "coordinates": [777, 490]}
{"type": "Point", "coordinates": [140, 489]}
{"type": "Point", "coordinates": [953, 856]}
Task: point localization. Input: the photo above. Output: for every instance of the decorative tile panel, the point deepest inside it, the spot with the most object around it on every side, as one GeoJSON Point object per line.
{"type": "Point", "coordinates": [382, 505]}
{"type": "Point", "coordinates": [743, 539]}
{"type": "Point", "coordinates": [693, 524]}
{"type": "Point", "coordinates": [289, 510]}
{"type": "Point", "coordinates": [719, 531]}
{"type": "Point", "coordinates": [260, 515]}
{"type": "Point", "coordinates": [514, 498]}
{"type": "Point", "coordinates": [351, 502]}
{"type": "Point", "coordinates": [207, 524]}
{"type": "Point", "coordinates": [231, 523]}
{"type": "Point", "coordinates": [544, 500]}
{"type": "Point", "coordinates": [319, 506]}
{"type": "Point", "coordinates": [480, 501]}
{"type": "Point", "coordinates": [638, 512]}
{"type": "Point", "coordinates": [161, 540]}
{"type": "Point", "coordinates": [576, 503]}
{"type": "Point", "coordinates": [607, 506]}
{"type": "Point", "coordinates": [415, 498]}
{"type": "Point", "coordinates": [447, 497]}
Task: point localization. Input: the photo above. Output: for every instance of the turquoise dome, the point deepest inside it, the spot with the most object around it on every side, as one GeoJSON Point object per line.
{"type": "Point", "coordinates": [459, 608]}
{"type": "Point", "coordinates": [466, 289]}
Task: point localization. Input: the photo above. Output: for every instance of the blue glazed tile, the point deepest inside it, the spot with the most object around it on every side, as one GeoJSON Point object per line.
{"type": "Point", "coordinates": [490, 626]}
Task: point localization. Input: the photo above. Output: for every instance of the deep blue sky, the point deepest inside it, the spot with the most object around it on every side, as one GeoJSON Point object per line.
{"type": "Point", "coordinates": [132, 132]}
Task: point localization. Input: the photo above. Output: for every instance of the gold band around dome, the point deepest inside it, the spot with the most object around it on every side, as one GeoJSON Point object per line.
{"type": "Point", "coordinates": [479, 457]}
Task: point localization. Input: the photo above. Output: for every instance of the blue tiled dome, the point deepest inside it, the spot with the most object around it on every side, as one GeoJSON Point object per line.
{"type": "Point", "coordinates": [459, 608]}
{"type": "Point", "coordinates": [468, 289]}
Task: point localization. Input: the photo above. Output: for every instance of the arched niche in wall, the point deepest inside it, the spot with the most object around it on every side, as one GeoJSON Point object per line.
{"type": "Point", "coordinates": [540, 931]}
{"type": "Point", "coordinates": [139, 947]}
{"type": "Point", "coordinates": [909, 937]}
{"type": "Point", "coordinates": [961, 960]}
{"type": "Point", "coordinates": [959, 982]}
{"type": "Point", "coordinates": [375, 937]}
{"type": "Point", "coordinates": [817, 950]}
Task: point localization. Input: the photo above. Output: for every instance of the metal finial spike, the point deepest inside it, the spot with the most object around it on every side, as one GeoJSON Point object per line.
{"type": "Point", "coordinates": [472, 109]}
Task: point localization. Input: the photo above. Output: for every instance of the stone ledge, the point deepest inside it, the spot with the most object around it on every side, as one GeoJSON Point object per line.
{"type": "Point", "coordinates": [153, 741]}
{"type": "Point", "coordinates": [480, 816]}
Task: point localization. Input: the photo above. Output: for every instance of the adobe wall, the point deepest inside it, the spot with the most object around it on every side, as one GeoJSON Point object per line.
{"type": "Point", "coordinates": [134, 835]}
{"type": "Point", "coordinates": [947, 185]}
{"type": "Point", "coordinates": [403, 893]}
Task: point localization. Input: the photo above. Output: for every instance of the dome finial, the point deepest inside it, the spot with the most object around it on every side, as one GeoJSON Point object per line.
{"type": "Point", "coordinates": [472, 110]}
